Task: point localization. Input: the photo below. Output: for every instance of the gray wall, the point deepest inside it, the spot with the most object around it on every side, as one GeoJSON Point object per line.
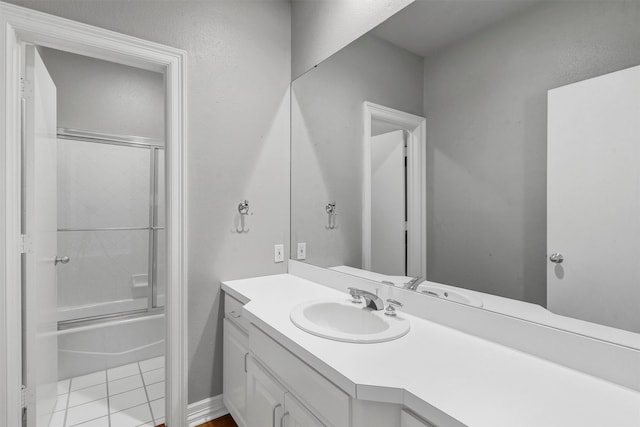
{"type": "Point", "coordinates": [103, 96]}
{"type": "Point", "coordinates": [326, 143]}
{"type": "Point", "coordinates": [485, 103]}
{"type": "Point", "coordinates": [320, 28]}
{"type": "Point", "coordinates": [239, 67]}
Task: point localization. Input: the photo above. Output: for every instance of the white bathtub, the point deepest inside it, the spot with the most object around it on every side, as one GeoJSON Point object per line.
{"type": "Point", "coordinates": [86, 349]}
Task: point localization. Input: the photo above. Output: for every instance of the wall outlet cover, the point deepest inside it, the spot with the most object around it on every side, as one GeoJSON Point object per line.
{"type": "Point", "coordinates": [302, 251]}
{"type": "Point", "coordinates": [278, 253]}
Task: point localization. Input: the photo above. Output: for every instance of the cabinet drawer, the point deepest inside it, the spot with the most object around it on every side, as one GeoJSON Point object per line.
{"type": "Point", "coordinates": [233, 312]}
{"type": "Point", "coordinates": [407, 419]}
{"type": "Point", "coordinates": [326, 400]}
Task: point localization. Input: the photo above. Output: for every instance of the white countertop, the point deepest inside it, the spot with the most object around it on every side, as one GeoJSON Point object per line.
{"type": "Point", "coordinates": [435, 370]}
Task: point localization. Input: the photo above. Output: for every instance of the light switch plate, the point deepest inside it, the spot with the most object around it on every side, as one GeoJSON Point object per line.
{"type": "Point", "coordinates": [302, 251]}
{"type": "Point", "coordinates": [278, 253]}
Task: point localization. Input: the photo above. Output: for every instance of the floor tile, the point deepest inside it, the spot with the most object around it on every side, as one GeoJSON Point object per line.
{"type": "Point", "coordinates": [126, 400]}
{"type": "Point", "coordinates": [157, 407]}
{"type": "Point", "coordinates": [86, 395]}
{"type": "Point", "coordinates": [63, 386]}
{"type": "Point", "coordinates": [151, 364]}
{"type": "Point", "coordinates": [132, 417]}
{"type": "Point", "coordinates": [155, 391]}
{"type": "Point", "coordinates": [150, 424]}
{"type": "Point", "coordinates": [152, 377]}
{"type": "Point", "coordinates": [88, 411]}
{"type": "Point", "coordinates": [99, 422]}
{"type": "Point", "coordinates": [57, 420]}
{"type": "Point", "coordinates": [125, 384]}
{"type": "Point", "coordinates": [61, 402]}
{"type": "Point", "coordinates": [122, 371]}
{"type": "Point", "coordinates": [85, 381]}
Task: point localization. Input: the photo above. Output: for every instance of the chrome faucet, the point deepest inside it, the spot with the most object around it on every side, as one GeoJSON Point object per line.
{"type": "Point", "coordinates": [413, 283]}
{"type": "Point", "coordinates": [372, 300]}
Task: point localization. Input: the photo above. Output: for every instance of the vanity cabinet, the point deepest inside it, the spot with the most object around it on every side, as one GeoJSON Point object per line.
{"type": "Point", "coordinates": [297, 415]}
{"type": "Point", "coordinates": [265, 385]}
{"type": "Point", "coordinates": [270, 404]}
{"type": "Point", "coordinates": [235, 354]}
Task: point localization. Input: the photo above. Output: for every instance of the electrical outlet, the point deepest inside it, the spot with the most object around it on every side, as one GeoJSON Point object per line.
{"type": "Point", "coordinates": [278, 253]}
{"type": "Point", "coordinates": [302, 251]}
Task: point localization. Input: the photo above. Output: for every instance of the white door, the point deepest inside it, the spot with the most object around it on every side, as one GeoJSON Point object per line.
{"type": "Point", "coordinates": [388, 240]}
{"type": "Point", "coordinates": [265, 397]}
{"type": "Point", "coordinates": [593, 200]}
{"type": "Point", "coordinates": [40, 225]}
{"type": "Point", "coordinates": [296, 415]}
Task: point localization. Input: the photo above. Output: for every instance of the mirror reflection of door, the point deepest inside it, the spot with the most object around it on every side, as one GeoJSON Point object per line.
{"type": "Point", "coordinates": [593, 201]}
{"type": "Point", "coordinates": [388, 203]}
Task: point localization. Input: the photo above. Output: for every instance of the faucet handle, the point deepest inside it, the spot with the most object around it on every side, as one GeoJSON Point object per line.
{"type": "Point", "coordinates": [391, 308]}
{"type": "Point", "coordinates": [356, 299]}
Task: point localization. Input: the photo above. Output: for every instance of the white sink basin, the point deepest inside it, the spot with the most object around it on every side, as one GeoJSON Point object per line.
{"type": "Point", "coordinates": [449, 294]}
{"type": "Point", "coordinates": [342, 320]}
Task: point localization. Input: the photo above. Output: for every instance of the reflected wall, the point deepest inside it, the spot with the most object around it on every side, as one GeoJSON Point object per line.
{"type": "Point", "coordinates": [326, 149]}
{"type": "Point", "coordinates": [486, 108]}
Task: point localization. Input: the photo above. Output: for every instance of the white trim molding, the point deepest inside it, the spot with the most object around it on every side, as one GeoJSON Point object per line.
{"type": "Point", "coordinates": [18, 26]}
{"type": "Point", "coordinates": [206, 410]}
{"type": "Point", "coordinates": [416, 184]}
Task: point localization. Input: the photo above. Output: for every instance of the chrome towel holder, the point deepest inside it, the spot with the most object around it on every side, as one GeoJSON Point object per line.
{"type": "Point", "coordinates": [243, 210]}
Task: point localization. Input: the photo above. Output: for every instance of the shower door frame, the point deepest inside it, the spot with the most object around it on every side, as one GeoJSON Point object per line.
{"type": "Point", "coordinates": [138, 142]}
{"type": "Point", "coordinates": [18, 26]}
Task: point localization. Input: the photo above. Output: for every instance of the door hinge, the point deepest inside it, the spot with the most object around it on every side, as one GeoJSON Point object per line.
{"type": "Point", "coordinates": [25, 244]}
{"type": "Point", "coordinates": [26, 88]}
{"type": "Point", "coordinates": [23, 396]}
{"type": "Point", "coordinates": [406, 226]}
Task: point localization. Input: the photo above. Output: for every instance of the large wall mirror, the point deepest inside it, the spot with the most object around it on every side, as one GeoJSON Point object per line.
{"type": "Point", "coordinates": [482, 152]}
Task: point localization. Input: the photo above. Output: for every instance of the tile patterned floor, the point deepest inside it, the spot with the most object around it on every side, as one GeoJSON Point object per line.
{"type": "Point", "coordinates": [126, 396]}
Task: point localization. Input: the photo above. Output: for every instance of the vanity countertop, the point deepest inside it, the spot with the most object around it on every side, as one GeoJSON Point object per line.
{"type": "Point", "coordinates": [444, 375]}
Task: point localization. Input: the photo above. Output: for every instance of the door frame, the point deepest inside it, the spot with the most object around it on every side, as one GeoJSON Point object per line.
{"type": "Point", "coordinates": [20, 25]}
{"type": "Point", "coordinates": [416, 184]}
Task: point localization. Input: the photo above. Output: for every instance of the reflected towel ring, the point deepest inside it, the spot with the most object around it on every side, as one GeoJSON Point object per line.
{"type": "Point", "coordinates": [243, 210]}
{"type": "Point", "coordinates": [330, 208]}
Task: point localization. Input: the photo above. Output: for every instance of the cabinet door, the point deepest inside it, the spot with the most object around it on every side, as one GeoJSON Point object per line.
{"type": "Point", "coordinates": [410, 420]}
{"type": "Point", "coordinates": [235, 351]}
{"type": "Point", "coordinates": [265, 397]}
{"type": "Point", "coordinates": [296, 415]}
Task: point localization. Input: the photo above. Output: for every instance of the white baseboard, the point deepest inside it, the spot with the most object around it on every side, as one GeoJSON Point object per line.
{"type": "Point", "coordinates": [205, 410]}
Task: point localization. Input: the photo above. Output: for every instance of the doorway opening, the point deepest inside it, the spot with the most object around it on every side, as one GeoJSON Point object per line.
{"type": "Point", "coordinates": [394, 192]}
{"type": "Point", "coordinates": [96, 239]}
{"type": "Point", "coordinates": [99, 199]}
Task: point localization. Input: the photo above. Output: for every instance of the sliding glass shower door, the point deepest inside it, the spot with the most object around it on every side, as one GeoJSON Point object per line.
{"type": "Point", "coordinates": [110, 225]}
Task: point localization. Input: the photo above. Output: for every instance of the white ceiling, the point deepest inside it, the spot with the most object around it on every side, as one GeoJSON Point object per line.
{"type": "Point", "coordinates": [428, 25]}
